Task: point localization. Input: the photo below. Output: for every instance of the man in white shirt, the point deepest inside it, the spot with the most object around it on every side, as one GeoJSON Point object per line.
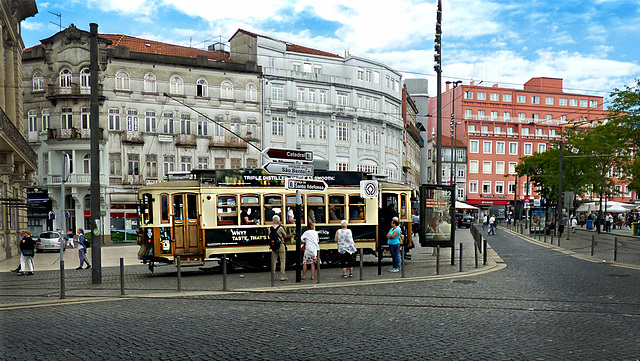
{"type": "Point", "coordinates": [492, 225]}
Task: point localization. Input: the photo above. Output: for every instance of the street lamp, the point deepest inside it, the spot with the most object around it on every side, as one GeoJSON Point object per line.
{"type": "Point", "coordinates": [452, 177]}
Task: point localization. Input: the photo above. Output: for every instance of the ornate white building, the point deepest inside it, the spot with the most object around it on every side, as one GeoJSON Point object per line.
{"type": "Point", "coordinates": [144, 134]}
{"type": "Point", "coordinates": [347, 110]}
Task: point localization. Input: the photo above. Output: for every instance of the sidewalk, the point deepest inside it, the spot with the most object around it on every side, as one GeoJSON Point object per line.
{"type": "Point", "coordinates": [44, 285]}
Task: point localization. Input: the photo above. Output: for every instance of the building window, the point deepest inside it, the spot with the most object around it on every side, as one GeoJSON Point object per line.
{"type": "Point", "coordinates": [252, 128]}
{"type": "Point", "coordinates": [506, 98]}
{"type": "Point", "coordinates": [122, 80]}
{"type": "Point", "coordinates": [301, 95]}
{"type": "Point", "coordinates": [322, 130]}
{"type": "Point", "coordinates": [176, 85]}
{"type": "Point", "coordinates": [301, 130]}
{"type": "Point", "coordinates": [468, 95]}
{"type": "Point", "coordinates": [168, 122]}
{"type": "Point", "coordinates": [521, 98]}
{"type": "Point", "coordinates": [343, 131]}
{"type": "Point", "coordinates": [277, 92]}
{"type": "Point", "coordinates": [360, 74]}
{"type": "Point", "coordinates": [236, 163]}
{"type": "Point", "coordinates": [548, 100]}
{"type": "Point", "coordinates": [583, 103]}
{"type": "Point", "coordinates": [132, 120]}
{"type": "Point", "coordinates": [202, 88]}
{"type": "Point", "coordinates": [65, 78]}
{"type": "Point", "coordinates": [471, 128]}
{"type": "Point", "coordinates": [499, 147]}
{"type": "Point", "coordinates": [484, 129]}
{"type": "Point", "coordinates": [511, 187]}
{"type": "Point", "coordinates": [573, 102]}
{"type": "Point", "coordinates": [494, 97]}
{"type": "Point", "coordinates": [202, 126]}
{"type": "Point", "coordinates": [312, 128]}
{"type": "Point", "coordinates": [468, 113]}
{"type": "Point", "coordinates": [535, 100]}
{"type": "Point", "coordinates": [486, 147]}
{"type": "Point", "coordinates": [482, 96]}
{"type": "Point", "coordinates": [552, 133]}
{"type": "Point", "coordinates": [46, 115]}
{"type": "Point", "coordinates": [513, 148]}
{"type": "Point", "coordinates": [152, 165]}
{"type": "Point", "coordinates": [322, 96]}
{"type": "Point", "coordinates": [203, 162]}
{"type": "Point", "coordinates": [499, 167]}
{"type": "Point", "coordinates": [343, 98]}
{"type": "Point", "coordinates": [115, 164]}
{"type": "Point", "coordinates": [473, 166]}
{"type": "Point", "coordinates": [219, 163]}
{"type": "Point", "coordinates": [486, 187]}
{"type": "Point", "coordinates": [486, 167]}
{"type": "Point", "coordinates": [494, 115]}
{"type": "Point", "coordinates": [368, 76]}
{"type": "Point", "coordinates": [522, 117]}
{"type": "Point", "coordinates": [185, 124]}
{"type": "Point", "coordinates": [593, 104]}
{"type": "Point", "coordinates": [499, 187]}
{"type": "Point", "coordinates": [150, 121]}
{"type": "Point", "coordinates": [150, 83]}
{"type": "Point", "coordinates": [528, 149]}
{"type": "Point", "coordinates": [66, 118]}
{"type": "Point", "coordinates": [38, 81]}
{"type": "Point", "coordinates": [226, 90]}
{"type": "Point", "coordinates": [359, 134]}
{"type": "Point", "coordinates": [497, 130]}
{"type": "Point", "coordinates": [506, 116]}
{"type": "Point", "coordinates": [512, 167]}
{"type": "Point", "coordinates": [342, 167]}
{"type": "Point", "coordinates": [168, 164]}
{"type": "Point", "coordinates": [481, 114]}
{"type": "Point", "coordinates": [525, 131]}
{"type": "Point", "coordinates": [185, 164]}
{"type": "Point", "coordinates": [542, 148]}
{"type": "Point", "coordinates": [562, 101]}
{"type": "Point", "coordinates": [473, 186]}
{"type": "Point", "coordinates": [473, 146]}
{"type": "Point", "coordinates": [252, 93]}
{"type": "Point", "coordinates": [32, 117]}
{"type": "Point", "coordinates": [84, 118]}
{"type": "Point", "coordinates": [133, 164]}
{"type": "Point", "coordinates": [367, 135]}
{"type": "Point", "coordinates": [277, 126]}
{"type": "Point", "coordinates": [376, 137]}
{"type": "Point", "coordinates": [85, 78]}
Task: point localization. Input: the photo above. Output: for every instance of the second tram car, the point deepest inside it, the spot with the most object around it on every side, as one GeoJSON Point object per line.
{"type": "Point", "coordinates": [218, 212]}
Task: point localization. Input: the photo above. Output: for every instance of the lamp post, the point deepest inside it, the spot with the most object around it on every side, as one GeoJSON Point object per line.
{"type": "Point", "coordinates": [452, 173]}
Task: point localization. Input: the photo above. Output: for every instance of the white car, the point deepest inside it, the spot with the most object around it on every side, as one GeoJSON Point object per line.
{"type": "Point", "coordinates": [48, 240]}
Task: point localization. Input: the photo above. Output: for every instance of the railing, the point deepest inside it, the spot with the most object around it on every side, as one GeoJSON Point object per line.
{"type": "Point", "coordinates": [80, 179]}
{"type": "Point", "coordinates": [186, 140]}
{"type": "Point", "coordinates": [69, 134]}
{"type": "Point", "coordinates": [227, 142]}
{"type": "Point", "coordinates": [55, 90]}
{"type": "Point", "coordinates": [133, 137]}
{"type": "Point", "coordinates": [18, 140]}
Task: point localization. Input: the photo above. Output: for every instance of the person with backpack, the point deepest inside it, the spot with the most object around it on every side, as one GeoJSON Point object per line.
{"type": "Point", "coordinates": [277, 234]}
{"type": "Point", "coordinates": [82, 249]}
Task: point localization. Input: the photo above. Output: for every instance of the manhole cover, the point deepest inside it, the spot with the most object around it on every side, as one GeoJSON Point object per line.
{"type": "Point", "coordinates": [617, 275]}
{"type": "Point", "coordinates": [465, 282]}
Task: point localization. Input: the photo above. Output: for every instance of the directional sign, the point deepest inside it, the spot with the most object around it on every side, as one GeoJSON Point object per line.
{"type": "Point", "coordinates": [305, 184]}
{"type": "Point", "coordinates": [289, 154]}
{"type": "Point", "coordinates": [288, 169]}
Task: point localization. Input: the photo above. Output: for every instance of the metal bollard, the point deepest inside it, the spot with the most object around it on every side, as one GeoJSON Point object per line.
{"type": "Point", "coordinates": [318, 268]}
{"type": "Point", "coordinates": [179, 276]}
{"type": "Point", "coordinates": [361, 264]}
{"type": "Point", "coordinates": [62, 285]}
{"type": "Point", "coordinates": [460, 266]}
{"type": "Point", "coordinates": [379, 260]}
{"type": "Point", "coordinates": [438, 259]}
{"type": "Point", "coordinates": [545, 237]}
{"type": "Point", "coordinates": [224, 272]}
{"type": "Point", "coordinates": [273, 269]}
{"type": "Point", "coordinates": [475, 251]}
{"type": "Point", "coordinates": [615, 249]}
{"type": "Point", "coordinates": [593, 243]}
{"type": "Point", "coordinates": [484, 255]}
{"type": "Point", "coordinates": [122, 276]}
{"type": "Point", "coordinates": [402, 254]}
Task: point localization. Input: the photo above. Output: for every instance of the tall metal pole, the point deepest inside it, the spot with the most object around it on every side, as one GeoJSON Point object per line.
{"type": "Point", "coordinates": [438, 69]}
{"type": "Point", "coordinates": [94, 117]}
{"type": "Point", "coordinates": [559, 210]}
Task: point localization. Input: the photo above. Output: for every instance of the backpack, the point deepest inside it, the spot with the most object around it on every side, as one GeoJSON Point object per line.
{"type": "Point", "coordinates": [84, 241]}
{"type": "Point", "coordinates": [274, 240]}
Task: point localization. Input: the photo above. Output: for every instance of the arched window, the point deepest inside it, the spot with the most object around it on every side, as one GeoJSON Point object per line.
{"type": "Point", "coordinates": [301, 128]}
{"type": "Point", "coordinates": [312, 128]}
{"type": "Point", "coordinates": [252, 93]}
{"type": "Point", "coordinates": [176, 85]}
{"type": "Point", "coordinates": [86, 164]}
{"type": "Point", "coordinates": [65, 78]}
{"type": "Point", "coordinates": [38, 81]}
{"type": "Point", "coordinates": [150, 83]}
{"type": "Point", "coordinates": [122, 80]}
{"type": "Point", "coordinates": [202, 88]}
{"type": "Point", "coordinates": [85, 78]}
{"type": "Point", "coordinates": [226, 90]}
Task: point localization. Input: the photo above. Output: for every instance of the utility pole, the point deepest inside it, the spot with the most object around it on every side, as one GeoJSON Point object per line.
{"type": "Point", "coordinates": [438, 68]}
{"type": "Point", "coordinates": [94, 118]}
{"type": "Point", "coordinates": [559, 210]}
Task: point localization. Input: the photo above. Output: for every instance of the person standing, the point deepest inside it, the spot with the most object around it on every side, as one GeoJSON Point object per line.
{"type": "Point", "coordinates": [17, 270]}
{"type": "Point", "coordinates": [485, 221]}
{"type": "Point", "coordinates": [281, 252]}
{"type": "Point", "coordinates": [346, 248]}
{"type": "Point", "coordinates": [27, 251]}
{"type": "Point", "coordinates": [311, 250]}
{"type": "Point", "coordinates": [492, 225]}
{"type": "Point", "coordinates": [393, 240]}
{"type": "Point", "coordinates": [82, 249]}
{"type": "Point", "coordinates": [70, 239]}
{"type": "Point", "coordinates": [574, 223]}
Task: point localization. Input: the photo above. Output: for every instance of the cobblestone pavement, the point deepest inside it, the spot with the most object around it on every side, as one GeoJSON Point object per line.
{"type": "Point", "coordinates": [544, 305]}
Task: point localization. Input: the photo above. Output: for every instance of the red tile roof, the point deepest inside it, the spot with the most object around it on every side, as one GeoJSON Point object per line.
{"type": "Point", "coordinates": [294, 47]}
{"type": "Point", "coordinates": [156, 47]}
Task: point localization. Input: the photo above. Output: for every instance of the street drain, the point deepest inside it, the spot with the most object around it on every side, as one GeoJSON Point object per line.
{"type": "Point", "coordinates": [465, 282]}
{"type": "Point", "coordinates": [617, 275]}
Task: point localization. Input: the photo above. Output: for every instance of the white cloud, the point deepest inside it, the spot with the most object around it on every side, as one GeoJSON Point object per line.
{"type": "Point", "coordinates": [31, 25]}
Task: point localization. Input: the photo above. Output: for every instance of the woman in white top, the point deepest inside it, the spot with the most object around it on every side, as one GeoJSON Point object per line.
{"type": "Point", "coordinates": [311, 250]}
{"type": "Point", "coordinates": [346, 248]}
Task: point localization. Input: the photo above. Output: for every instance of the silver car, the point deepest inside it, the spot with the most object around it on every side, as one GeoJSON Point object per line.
{"type": "Point", "coordinates": [48, 240]}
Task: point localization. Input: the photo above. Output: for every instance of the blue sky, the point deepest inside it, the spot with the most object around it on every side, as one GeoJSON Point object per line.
{"type": "Point", "coordinates": [593, 44]}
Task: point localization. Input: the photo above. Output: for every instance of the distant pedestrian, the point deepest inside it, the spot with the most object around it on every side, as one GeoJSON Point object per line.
{"type": "Point", "coordinates": [492, 225]}
{"type": "Point", "coordinates": [82, 249]}
{"type": "Point", "coordinates": [393, 240]}
{"type": "Point", "coordinates": [310, 239]}
{"type": "Point", "coordinates": [70, 239]}
{"type": "Point", "coordinates": [27, 251]}
{"type": "Point", "coordinates": [17, 270]}
{"type": "Point", "coordinates": [346, 248]}
{"type": "Point", "coordinates": [485, 221]}
{"type": "Point", "coordinates": [574, 223]}
{"type": "Point", "coordinates": [281, 252]}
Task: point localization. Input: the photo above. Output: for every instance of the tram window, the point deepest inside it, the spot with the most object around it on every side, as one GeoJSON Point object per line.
{"type": "Point", "coordinates": [272, 207]}
{"type": "Point", "coordinates": [227, 211]}
{"type": "Point", "coordinates": [316, 209]}
{"type": "Point", "coordinates": [147, 208]}
{"type": "Point", "coordinates": [291, 210]}
{"type": "Point", "coordinates": [177, 207]}
{"type": "Point", "coordinates": [164, 208]}
{"type": "Point", "coordinates": [356, 209]}
{"type": "Point", "coordinates": [192, 206]}
{"type": "Point", "coordinates": [250, 209]}
{"type": "Point", "coordinates": [403, 206]}
{"type": "Point", "coordinates": [336, 208]}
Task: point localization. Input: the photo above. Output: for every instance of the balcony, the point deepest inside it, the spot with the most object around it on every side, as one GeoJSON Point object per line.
{"type": "Point", "coordinates": [69, 134]}
{"type": "Point", "coordinates": [134, 180]}
{"type": "Point", "coordinates": [74, 180]}
{"type": "Point", "coordinates": [55, 92]}
{"type": "Point", "coordinates": [227, 142]}
{"type": "Point", "coordinates": [186, 140]}
{"type": "Point", "coordinates": [15, 140]}
{"type": "Point", "coordinates": [133, 137]}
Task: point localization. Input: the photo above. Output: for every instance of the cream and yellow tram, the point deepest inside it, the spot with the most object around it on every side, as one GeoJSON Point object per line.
{"type": "Point", "coordinates": [217, 212]}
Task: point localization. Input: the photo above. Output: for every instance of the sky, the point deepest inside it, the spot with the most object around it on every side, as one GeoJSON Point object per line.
{"type": "Point", "coordinates": [594, 45]}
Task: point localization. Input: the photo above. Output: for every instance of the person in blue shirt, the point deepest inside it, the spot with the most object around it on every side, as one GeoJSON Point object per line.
{"type": "Point", "coordinates": [393, 240]}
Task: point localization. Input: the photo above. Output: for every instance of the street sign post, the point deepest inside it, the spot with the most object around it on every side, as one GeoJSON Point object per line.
{"type": "Point", "coordinates": [289, 154]}
{"type": "Point", "coordinates": [305, 184]}
{"type": "Point", "coordinates": [288, 169]}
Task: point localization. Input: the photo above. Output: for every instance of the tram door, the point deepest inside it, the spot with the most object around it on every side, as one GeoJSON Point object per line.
{"type": "Point", "coordinates": [186, 223]}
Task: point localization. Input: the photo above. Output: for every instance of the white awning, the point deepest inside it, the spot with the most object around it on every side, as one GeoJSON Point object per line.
{"type": "Point", "coordinates": [131, 198]}
{"type": "Point", "coordinates": [462, 205]}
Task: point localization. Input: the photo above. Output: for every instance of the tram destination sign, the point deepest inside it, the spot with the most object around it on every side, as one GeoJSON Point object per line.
{"type": "Point", "coordinates": [289, 169]}
{"type": "Point", "coordinates": [305, 185]}
{"type": "Point", "coordinates": [289, 154]}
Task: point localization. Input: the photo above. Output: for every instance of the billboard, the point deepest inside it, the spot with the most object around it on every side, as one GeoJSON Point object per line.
{"type": "Point", "coordinates": [439, 215]}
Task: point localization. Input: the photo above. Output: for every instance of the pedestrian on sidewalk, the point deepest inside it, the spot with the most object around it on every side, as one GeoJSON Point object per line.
{"type": "Point", "coordinates": [485, 221]}
{"type": "Point", "coordinates": [393, 240]}
{"type": "Point", "coordinates": [280, 252]}
{"type": "Point", "coordinates": [82, 249]}
{"type": "Point", "coordinates": [27, 251]}
{"type": "Point", "coordinates": [70, 239]}
{"type": "Point", "coordinates": [310, 239]}
{"type": "Point", "coordinates": [346, 248]}
{"type": "Point", "coordinates": [492, 225]}
{"type": "Point", "coordinates": [574, 223]}
{"type": "Point", "coordinates": [17, 270]}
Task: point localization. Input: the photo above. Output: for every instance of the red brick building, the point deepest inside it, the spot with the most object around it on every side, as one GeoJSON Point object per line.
{"type": "Point", "coordinates": [500, 125]}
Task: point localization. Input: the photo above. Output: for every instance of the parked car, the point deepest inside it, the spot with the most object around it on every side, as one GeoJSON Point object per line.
{"type": "Point", "coordinates": [48, 241]}
{"type": "Point", "coordinates": [464, 220]}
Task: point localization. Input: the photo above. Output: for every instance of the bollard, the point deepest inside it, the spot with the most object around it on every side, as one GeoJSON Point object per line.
{"type": "Point", "coordinates": [379, 260]}
{"type": "Point", "coordinates": [615, 249]}
{"type": "Point", "coordinates": [484, 254]}
{"type": "Point", "coordinates": [402, 261]}
{"type": "Point", "coordinates": [361, 265]}
{"type": "Point", "coordinates": [273, 269]}
{"type": "Point", "coordinates": [438, 259]}
{"type": "Point", "coordinates": [121, 276]}
{"type": "Point", "coordinates": [475, 251]}
{"type": "Point", "coordinates": [62, 286]}
{"type": "Point", "coordinates": [224, 271]}
{"type": "Point", "coordinates": [179, 276]}
{"type": "Point", "coordinates": [460, 266]}
{"type": "Point", "coordinates": [593, 243]}
{"type": "Point", "coordinates": [318, 268]}
{"type": "Point", "coordinates": [545, 237]}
